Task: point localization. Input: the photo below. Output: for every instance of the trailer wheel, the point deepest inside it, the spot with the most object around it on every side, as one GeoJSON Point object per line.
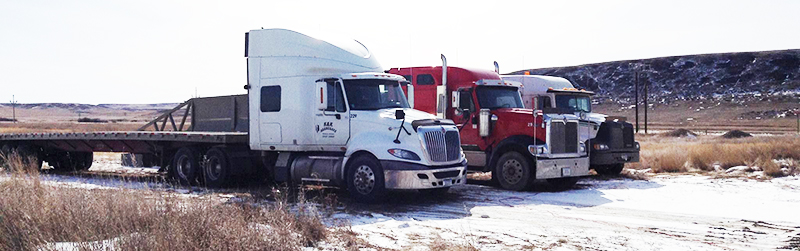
{"type": "Point", "coordinates": [216, 169]}
{"type": "Point", "coordinates": [31, 157]}
{"type": "Point", "coordinates": [365, 180]}
{"type": "Point", "coordinates": [88, 159]}
{"type": "Point", "coordinates": [186, 166]}
{"type": "Point", "coordinates": [609, 170]}
{"type": "Point", "coordinates": [514, 171]}
{"type": "Point", "coordinates": [5, 151]}
{"type": "Point", "coordinates": [71, 161]}
{"type": "Point", "coordinates": [561, 184]}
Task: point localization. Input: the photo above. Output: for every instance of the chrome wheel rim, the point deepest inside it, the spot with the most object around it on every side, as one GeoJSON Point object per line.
{"type": "Point", "coordinates": [512, 171]}
{"type": "Point", "coordinates": [364, 179]}
{"type": "Point", "coordinates": [214, 168]}
{"type": "Point", "coordinates": [184, 167]}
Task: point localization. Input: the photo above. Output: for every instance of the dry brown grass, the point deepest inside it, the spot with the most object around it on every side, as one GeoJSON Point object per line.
{"type": "Point", "coordinates": [35, 216]}
{"type": "Point", "coordinates": [704, 153]}
{"type": "Point", "coordinates": [439, 243]}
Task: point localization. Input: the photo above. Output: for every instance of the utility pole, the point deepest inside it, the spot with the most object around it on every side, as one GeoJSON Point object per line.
{"type": "Point", "coordinates": [645, 105]}
{"type": "Point", "coordinates": [636, 95]}
{"type": "Point", "coordinates": [13, 109]}
{"type": "Point", "coordinates": [638, 68]}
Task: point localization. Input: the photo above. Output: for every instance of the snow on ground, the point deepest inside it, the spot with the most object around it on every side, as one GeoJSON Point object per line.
{"type": "Point", "coordinates": [666, 213]}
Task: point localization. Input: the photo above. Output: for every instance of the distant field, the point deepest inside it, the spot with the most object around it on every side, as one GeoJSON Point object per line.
{"type": "Point", "coordinates": [64, 118]}
{"type": "Point", "coordinates": [712, 116]}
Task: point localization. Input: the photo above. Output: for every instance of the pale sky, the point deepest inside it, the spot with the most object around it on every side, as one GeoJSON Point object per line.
{"type": "Point", "coordinates": [101, 51]}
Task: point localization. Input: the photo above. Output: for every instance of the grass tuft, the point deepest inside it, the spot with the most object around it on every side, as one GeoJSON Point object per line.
{"type": "Point", "coordinates": [39, 216]}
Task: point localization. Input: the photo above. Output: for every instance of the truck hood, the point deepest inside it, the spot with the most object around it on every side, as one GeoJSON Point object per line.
{"type": "Point", "coordinates": [596, 118]}
{"type": "Point", "coordinates": [386, 117]}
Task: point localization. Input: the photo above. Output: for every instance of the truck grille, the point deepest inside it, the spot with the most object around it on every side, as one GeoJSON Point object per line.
{"type": "Point", "coordinates": [563, 137]}
{"type": "Point", "coordinates": [620, 136]}
{"type": "Point", "coordinates": [627, 136]}
{"type": "Point", "coordinates": [446, 174]}
{"type": "Point", "coordinates": [442, 146]}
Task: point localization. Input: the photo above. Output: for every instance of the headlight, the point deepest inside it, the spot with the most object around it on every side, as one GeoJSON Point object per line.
{"type": "Point", "coordinates": [582, 147]}
{"type": "Point", "coordinates": [536, 150]}
{"type": "Point", "coordinates": [600, 147]}
{"type": "Point", "coordinates": [404, 154]}
{"type": "Point", "coordinates": [494, 118]}
{"type": "Point", "coordinates": [636, 144]}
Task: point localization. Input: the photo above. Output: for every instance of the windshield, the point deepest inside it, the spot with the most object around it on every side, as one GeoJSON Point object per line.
{"type": "Point", "coordinates": [374, 94]}
{"type": "Point", "coordinates": [493, 97]}
{"type": "Point", "coordinates": [574, 103]}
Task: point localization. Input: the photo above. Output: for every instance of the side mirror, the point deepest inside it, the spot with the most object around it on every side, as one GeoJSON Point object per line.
{"type": "Point", "coordinates": [535, 103]}
{"type": "Point", "coordinates": [321, 91]}
{"type": "Point", "coordinates": [456, 98]}
{"type": "Point", "coordinates": [483, 122]}
{"type": "Point", "coordinates": [410, 95]}
{"type": "Point", "coordinates": [399, 114]}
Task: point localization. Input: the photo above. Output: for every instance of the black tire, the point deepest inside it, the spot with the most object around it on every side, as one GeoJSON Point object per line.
{"type": "Point", "coordinates": [88, 159]}
{"type": "Point", "coordinates": [561, 184]}
{"type": "Point", "coordinates": [186, 166]}
{"type": "Point", "coordinates": [514, 171]}
{"type": "Point", "coordinates": [365, 180]}
{"type": "Point", "coordinates": [435, 192]}
{"type": "Point", "coordinates": [216, 168]}
{"type": "Point", "coordinates": [72, 161]}
{"type": "Point", "coordinates": [609, 170]}
{"type": "Point", "coordinates": [5, 151]}
{"type": "Point", "coordinates": [31, 157]}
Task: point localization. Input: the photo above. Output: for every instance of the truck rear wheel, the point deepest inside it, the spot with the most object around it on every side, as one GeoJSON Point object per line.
{"type": "Point", "coordinates": [514, 172]}
{"type": "Point", "coordinates": [216, 169]}
{"type": "Point", "coordinates": [609, 170]}
{"type": "Point", "coordinates": [186, 166]}
{"type": "Point", "coordinates": [365, 180]}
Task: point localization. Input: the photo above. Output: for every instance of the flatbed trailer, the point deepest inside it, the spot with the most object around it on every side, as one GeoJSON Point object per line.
{"type": "Point", "coordinates": [214, 115]}
{"type": "Point", "coordinates": [315, 111]}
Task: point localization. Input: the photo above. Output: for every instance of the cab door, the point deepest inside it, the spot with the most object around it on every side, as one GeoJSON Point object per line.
{"type": "Point", "coordinates": [332, 125]}
{"type": "Point", "coordinates": [466, 119]}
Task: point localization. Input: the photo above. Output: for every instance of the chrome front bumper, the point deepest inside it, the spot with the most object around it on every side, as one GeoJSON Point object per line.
{"type": "Point", "coordinates": [410, 176]}
{"type": "Point", "coordinates": [558, 168]}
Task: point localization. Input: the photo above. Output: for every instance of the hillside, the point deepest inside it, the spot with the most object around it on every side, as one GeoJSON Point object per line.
{"type": "Point", "coordinates": [724, 75]}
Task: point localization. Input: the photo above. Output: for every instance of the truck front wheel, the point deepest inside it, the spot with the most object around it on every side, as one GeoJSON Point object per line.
{"type": "Point", "coordinates": [186, 166]}
{"type": "Point", "coordinates": [365, 180]}
{"type": "Point", "coordinates": [216, 169]}
{"type": "Point", "coordinates": [514, 172]}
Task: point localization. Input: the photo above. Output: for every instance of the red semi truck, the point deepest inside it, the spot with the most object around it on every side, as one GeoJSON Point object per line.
{"type": "Point", "coordinates": [498, 133]}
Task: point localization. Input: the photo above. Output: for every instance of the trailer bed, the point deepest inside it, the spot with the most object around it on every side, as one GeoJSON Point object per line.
{"type": "Point", "coordinates": [123, 141]}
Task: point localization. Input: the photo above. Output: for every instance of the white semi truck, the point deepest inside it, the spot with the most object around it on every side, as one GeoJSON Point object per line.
{"type": "Point", "coordinates": [611, 141]}
{"type": "Point", "coordinates": [317, 111]}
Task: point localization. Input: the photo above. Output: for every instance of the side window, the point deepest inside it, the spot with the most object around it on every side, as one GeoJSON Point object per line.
{"type": "Point", "coordinates": [425, 79]}
{"type": "Point", "coordinates": [335, 97]}
{"type": "Point", "coordinates": [465, 101]}
{"type": "Point", "coordinates": [270, 99]}
{"type": "Point", "coordinates": [408, 77]}
{"type": "Point", "coordinates": [545, 102]}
